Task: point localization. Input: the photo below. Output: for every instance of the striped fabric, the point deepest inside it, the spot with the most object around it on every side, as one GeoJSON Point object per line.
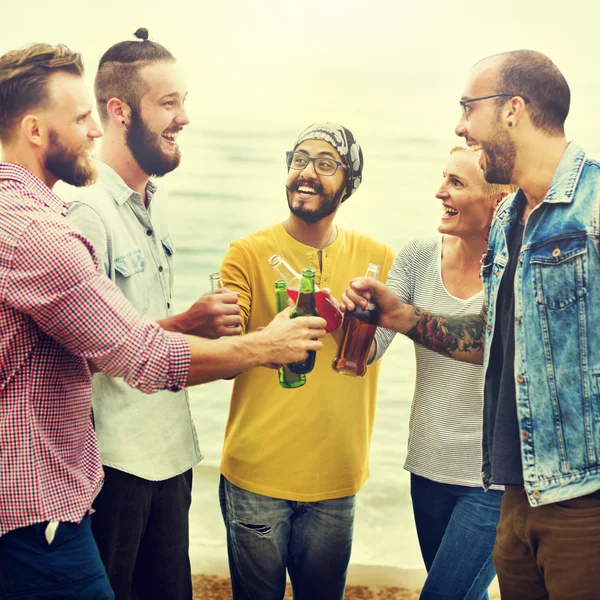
{"type": "Point", "coordinates": [57, 311]}
{"type": "Point", "coordinates": [444, 441]}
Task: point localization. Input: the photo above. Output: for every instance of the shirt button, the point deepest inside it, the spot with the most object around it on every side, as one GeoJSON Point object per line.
{"type": "Point", "coordinates": [148, 231]}
{"type": "Point", "coordinates": [537, 494]}
{"type": "Point", "coordinates": [521, 259]}
{"type": "Point", "coordinates": [160, 269]}
{"type": "Point", "coordinates": [168, 305]}
{"type": "Point", "coordinates": [520, 378]}
{"type": "Point", "coordinates": [517, 321]}
{"type": "Point", "coordinates": [525, 435]}
{"type": "Point", "coordinates": [556, 252]}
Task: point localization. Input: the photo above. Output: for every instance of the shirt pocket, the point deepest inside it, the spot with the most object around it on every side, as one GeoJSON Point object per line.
{"type": "Point", "coordinates": [131, 279]}
{"type": "Point", "coordinates": [559, 271]}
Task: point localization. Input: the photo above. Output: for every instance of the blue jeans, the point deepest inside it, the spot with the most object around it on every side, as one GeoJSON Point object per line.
{"type": "Point", "coordinates": [456, 526]}
{"type": "Point", "coordinates": [68, 568]}
{"type": "Point", "coordinates": [265, 535]}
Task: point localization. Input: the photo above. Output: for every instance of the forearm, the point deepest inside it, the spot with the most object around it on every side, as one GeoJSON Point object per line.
{"type": "Point", "coordinates": [461, 338]}
{"type": "Point", "coordinates": [223, 358]}
{"type": "Point", "coordinates": [170, 324]}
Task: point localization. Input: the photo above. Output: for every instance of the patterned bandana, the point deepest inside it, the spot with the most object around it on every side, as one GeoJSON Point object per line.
{"type": "Point", "coordinates": [348, 148]}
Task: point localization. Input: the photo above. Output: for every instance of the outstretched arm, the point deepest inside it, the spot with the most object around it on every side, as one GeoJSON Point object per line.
{"type": "Point", "coordinates": [458, 337]}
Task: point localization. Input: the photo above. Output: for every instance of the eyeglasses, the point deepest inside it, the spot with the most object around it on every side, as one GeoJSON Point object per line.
{"type": "Point", "coordinates": [466, 101]}
{"type": "Point", "coordinates": [323, 166]}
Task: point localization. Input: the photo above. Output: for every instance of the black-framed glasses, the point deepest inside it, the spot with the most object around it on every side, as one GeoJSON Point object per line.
{"type": "Point", "coordinates": [323, 166]}
{"type": "Point", "coordinates": [466, 101]}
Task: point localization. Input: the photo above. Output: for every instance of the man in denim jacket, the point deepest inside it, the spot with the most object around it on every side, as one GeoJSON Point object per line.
{"type": "Point", "coordinates": [535, 336]}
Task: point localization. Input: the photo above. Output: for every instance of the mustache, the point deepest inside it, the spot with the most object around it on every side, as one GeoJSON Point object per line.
{"type": "Point", "coordinates": [296, 184]}
{"type": "Point", "coordinates": [174, 129]}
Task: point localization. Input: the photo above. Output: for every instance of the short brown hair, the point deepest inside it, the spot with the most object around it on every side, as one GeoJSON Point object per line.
{"type": "Point", "coordinates": [118, 73]}
{"type": "Point", "coordinates": [533, 75]}
{"type": "Point", "coordinates": [24, 76]}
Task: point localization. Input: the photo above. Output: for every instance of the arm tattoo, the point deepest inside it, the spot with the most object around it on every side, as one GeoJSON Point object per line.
{"type": "Point", "coordinates": [449, 335]}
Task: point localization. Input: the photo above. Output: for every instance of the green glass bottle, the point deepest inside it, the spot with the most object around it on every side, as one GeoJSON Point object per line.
{"type": "Point", "coordinates": [305, 307]}
{"type": "Point", "coordinates": [287, 379]}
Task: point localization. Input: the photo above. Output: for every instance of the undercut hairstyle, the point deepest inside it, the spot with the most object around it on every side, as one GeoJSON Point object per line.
{"type": "Point", "coordinates": [119, 69]}
{"type": "Point", "coordinates": [533, 75]}
{"type": "Point", "coordinates": [24, 77]}
{"type": "Point", "coordinates": [491, 189]}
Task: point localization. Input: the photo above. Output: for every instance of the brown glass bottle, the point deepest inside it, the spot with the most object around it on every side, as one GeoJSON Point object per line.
{"type": "Point", "coordinates": [305, 307]}
{"type": "Point", "coordinates": [358, 330]}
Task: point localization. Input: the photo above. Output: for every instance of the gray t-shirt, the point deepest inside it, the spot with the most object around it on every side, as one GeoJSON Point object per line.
{"type": "Point", "coordinates": [444, 442]}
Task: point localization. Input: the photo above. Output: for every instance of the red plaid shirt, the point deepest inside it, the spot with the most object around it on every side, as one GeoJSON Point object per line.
{"type": "Point", "coordinates": [56, 311]}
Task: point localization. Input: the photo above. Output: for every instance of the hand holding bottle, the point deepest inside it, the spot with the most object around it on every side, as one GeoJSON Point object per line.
{"type": "Point", "coordinates": [393, 314]}
{"type": "Point", "coordinates": [290, 340]}
{"type": "Point", "coordinates": [212, 316]}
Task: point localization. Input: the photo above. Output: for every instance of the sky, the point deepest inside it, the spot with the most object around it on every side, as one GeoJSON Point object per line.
{"type": "Point", "coordinates": [250, 62]}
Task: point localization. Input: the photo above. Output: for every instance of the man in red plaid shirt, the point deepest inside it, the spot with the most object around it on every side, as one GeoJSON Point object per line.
{"type": "Point", "coordinates": [58, 313]}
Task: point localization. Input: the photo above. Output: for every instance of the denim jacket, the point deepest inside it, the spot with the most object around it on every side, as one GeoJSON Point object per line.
{"type": "Point", "coordinates": [557, 330]}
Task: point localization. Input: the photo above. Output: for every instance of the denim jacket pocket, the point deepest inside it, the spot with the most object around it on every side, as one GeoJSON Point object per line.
{"type": "Point", "coordinates": [559, 271]}
{"type": "Point", "coordinates": [130, 264]}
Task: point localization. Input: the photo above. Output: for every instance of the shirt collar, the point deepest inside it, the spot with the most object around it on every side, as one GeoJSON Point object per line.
{"type": "Point", "coordinates": [38, 188]}
{"type": "Point", "coordinates": [117, 188]}
{"type": "Point", "coordinates": [566, 176]}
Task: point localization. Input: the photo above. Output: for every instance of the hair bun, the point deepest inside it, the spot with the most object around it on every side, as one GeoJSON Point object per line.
{"type": "Point", "coordinates": [141, 34]}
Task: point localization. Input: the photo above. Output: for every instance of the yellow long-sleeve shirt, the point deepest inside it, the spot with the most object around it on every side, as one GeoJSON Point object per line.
{"type": "Point", "coordinates": [310, 443]}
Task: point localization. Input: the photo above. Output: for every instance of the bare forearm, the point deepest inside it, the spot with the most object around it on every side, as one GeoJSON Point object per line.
{"type": "Point", "coordinates": [170, 324]}
{"type": "Point", "coordinates": [461, 338]}
{"type": "Point", "coordinates": [222, 358]}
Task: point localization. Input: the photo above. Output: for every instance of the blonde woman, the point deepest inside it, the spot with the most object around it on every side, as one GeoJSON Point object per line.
{"type": "Point", "coordinates": [455, 518]}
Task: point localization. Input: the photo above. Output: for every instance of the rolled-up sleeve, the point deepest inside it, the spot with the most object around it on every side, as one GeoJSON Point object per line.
{"type": "Point", "coordinates": [55, 280]}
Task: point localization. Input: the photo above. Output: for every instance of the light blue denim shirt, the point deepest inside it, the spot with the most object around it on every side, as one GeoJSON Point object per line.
{"type": "Point", "coordinates": [151, 436]}
{"type": "Point", "coordinates": [557, 331]}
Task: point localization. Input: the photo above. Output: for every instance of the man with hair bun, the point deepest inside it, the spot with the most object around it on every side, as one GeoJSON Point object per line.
{"type": "Point", "coordinates": [148, 444]}
{"type": "Point", "coordinates": [293, 459]}
{"type": "Point", "coordinates": [59, 316]}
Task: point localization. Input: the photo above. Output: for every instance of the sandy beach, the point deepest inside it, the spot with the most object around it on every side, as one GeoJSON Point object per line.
{"type": "Point", "coordinates": [212, 587]}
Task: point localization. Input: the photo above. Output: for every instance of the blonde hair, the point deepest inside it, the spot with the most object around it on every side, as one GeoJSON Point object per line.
{"type": "Point", "coordinates": [24, 76]}
{"type": "Point", "coordinates": [490, 188]}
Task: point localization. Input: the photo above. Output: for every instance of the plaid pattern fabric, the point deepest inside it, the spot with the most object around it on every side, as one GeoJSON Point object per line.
{"type": "Point", "coordinates": [56, 312]}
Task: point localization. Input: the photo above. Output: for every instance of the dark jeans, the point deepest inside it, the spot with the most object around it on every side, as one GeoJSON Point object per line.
{"type": "Point", "coordinates": [67, 568]}
{"type": "Point", "coordinates": [456, 526]}
{"type": "Point", "coordinates": [550, 552]}
{"type": "Point", "coordinates": [141, 528]}
{"type": "Point", "coordinates": [265, 535]}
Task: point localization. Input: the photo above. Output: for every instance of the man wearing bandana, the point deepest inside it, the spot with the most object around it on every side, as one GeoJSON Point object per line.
{"type": "Point", "coordinates": [293, 459]}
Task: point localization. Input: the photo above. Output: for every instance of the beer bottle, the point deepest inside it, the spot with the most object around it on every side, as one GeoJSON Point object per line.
{"type": "Point", "coordinates": [287, 379]}
{"type": "Point", "coordinates": [291, 278]}
{"type": "Point", "coordinates": [305, 307]}
{"type": "Point", "coordinates": [216, 281]}
{"type": "Point", "coordinates": [358, 330]}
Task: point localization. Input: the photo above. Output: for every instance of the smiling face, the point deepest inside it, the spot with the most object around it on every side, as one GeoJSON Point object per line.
{"type": "Point", "coordinates": [467, 206]}
{"type": "Point", "coordinates": [482, 124]}
{"type": "Point", "coordinates": [152, 132]}
{"type": "Point", "coordinates": [312, 197]}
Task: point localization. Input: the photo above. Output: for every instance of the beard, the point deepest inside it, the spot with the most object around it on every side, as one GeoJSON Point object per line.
{"type": "Point", "coordinates": [70, 165]}
{"type": "Point", "coordinates": [500, 155]}
{"type": "Point", "coordinates": [145, 148]}
{"type": "Point", "coordinates": [329, 204]}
